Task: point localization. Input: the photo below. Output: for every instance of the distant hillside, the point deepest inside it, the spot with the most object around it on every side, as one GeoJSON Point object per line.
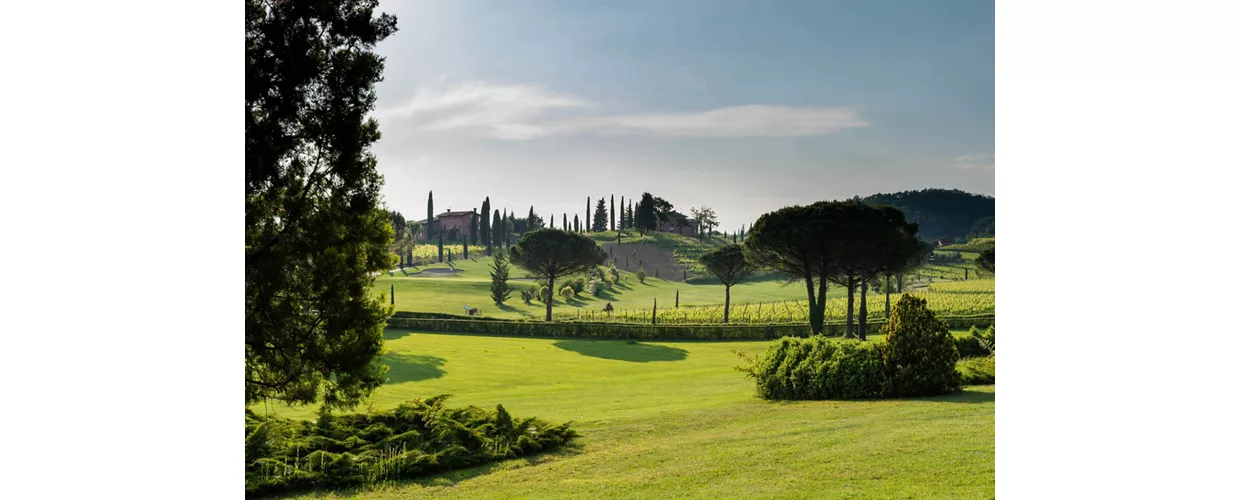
{"type": "Point", "coordinates": [943, 213]}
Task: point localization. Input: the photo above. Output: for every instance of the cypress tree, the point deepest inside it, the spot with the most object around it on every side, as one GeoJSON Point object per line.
{"type": "Point", "coordinates": [473, 229]}
{"type": "Point", "coordinates": [529, 221]}
{"type": "Point", "coordinates": [430, 215]}
{"type": "Point", "coordinates": [486, 224]}
{"type": "Point", "coordinates": [576, 224]}
{"type": "Point", "coordinates": [587, 216]}
{"type": "Point", "coordinates": [551, 219]}
{"type": "Point", "coordinates": [566, 221]}
{"type": "Point", "coordinates": [496, 227]}
{"type": "Point", "coordinates": [677, 298]}
{"type": "Point", "coordinates": [441, 246]}
{"type": "Point", "coordinates": [599, 223]}
{"type": "Point", "coordinates": [623, 215]}
{"type": "Point", "coordinates": [613, 212]}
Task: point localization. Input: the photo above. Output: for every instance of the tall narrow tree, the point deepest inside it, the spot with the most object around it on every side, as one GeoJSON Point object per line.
{"type": "Point", "coordinates": [646, 213]}
{"type": "Point", "coordinates": [613, 212]}
{"type": "Point", "coordinates": [529, 220]}
{"type": "Point", "coordinates": [566, 228]}
{"type": "Point", "coordinates": [486, 224]}
{"type": "Point", "coordinates": [473, 228]}
{"type": "Point", "coordinates": [622, 214]}
{"type": "Point", "coordinates": [430, 215]}
{"type": "Point", "coordinates": [576, 223]}
{"type": "Point", "coordinates": [497, 227]}
{"type": "Point", "coordinates": [586, 217]}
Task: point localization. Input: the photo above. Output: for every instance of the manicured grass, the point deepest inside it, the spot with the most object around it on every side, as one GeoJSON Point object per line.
{"type": "Point", "coordinates": [672, 419]}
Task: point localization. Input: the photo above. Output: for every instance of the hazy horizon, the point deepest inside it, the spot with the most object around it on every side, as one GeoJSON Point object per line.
{"type": "Point", "coordinates": [739, 106]}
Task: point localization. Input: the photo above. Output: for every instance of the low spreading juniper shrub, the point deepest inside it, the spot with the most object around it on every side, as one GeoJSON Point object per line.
{"type": "Point", "coordinates": [977, 371]}
{"type": "Point", "coordinates": [416, 438]}
{"type": "Point", "coordinates": [976, 343]}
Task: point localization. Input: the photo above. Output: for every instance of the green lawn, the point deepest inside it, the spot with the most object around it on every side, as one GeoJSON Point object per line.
{"type": "Point", "coordinates": [672, 419]}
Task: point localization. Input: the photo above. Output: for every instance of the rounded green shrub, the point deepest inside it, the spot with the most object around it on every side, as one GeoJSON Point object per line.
{"type": "Point", "coordinates": [977, 371]}
{"type": "Point", "coordinates": [819, 368]}
{"type": "Point", "coordinates": [919, 357]}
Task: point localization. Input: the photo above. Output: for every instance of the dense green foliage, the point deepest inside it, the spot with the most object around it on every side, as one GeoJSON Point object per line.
{"type": "Point", "coordinates": [315, 233]}
{"type": "Point", "coordinates": [919, 356]}
{"type": "Point", "coordinates": [940, 213]}
{"type": "Point", "coordinates": [818, 368]}
{"type": "Point", "coordinates": [415, 438]}
{"type": "Point", "coordinates": [976, 343]}
{"type": "Point", "coordinates": [975, 245]}
{"type": "Point", "coordinates": [977, 371]}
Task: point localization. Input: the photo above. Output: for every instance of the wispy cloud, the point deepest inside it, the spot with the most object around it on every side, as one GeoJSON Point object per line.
{"type": "Point", "coordinates": [513, 112]}
{"type": "Point", "coordinates": [519, 112]}
{"type": "Point", "coordinates": [981, 161]}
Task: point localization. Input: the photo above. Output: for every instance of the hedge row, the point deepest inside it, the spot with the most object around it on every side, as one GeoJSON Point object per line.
{"type": "Point", "coordinates": [447, 323]}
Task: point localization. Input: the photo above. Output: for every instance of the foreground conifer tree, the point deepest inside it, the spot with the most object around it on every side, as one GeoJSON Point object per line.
{"type": "Point", "coordinates": [315, 233]}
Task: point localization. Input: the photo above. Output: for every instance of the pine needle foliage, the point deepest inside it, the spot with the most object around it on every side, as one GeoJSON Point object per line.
{"type": "Point", "coordinates": [417, 438]}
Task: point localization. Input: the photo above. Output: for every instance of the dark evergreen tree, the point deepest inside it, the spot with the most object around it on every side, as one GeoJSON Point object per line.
{"type": "Point", "coordinates": [586, 217]}
{"type": "Point", "coordinates": [473, 229]}
{"type": "Point", "coordinates": [600, 216]}
{"type": "Point", "coordinates": [499, 281]}
{"type": "Point", "coordinates": [486, 224]}
{"type": "Point", "coordinates": [313, 328]}
{"type": "Point", "coordinates": [576, 224]}
{"type": "Point", "coordinates": [566, 228]}
{"type": "Point", "coordinates": [613, 212]}
{"type": "Point", "coordinates": [441, 246]}
{"type": "Point", "coordinates": [430, 215]}
{"type": "Point", "coordinates": [623, 214]}
{"type": "Point", "coordinates": [497, 227]}
{"type": "Point", "coordinates": [645, 213]}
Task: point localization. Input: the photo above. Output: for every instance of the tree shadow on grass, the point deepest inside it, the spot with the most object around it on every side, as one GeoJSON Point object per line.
{"type": "Point", "coordinates": [412, 367]}
{"type": "Point", "coordinates": [623, 350]}
{"type": "Point", "coordinates": [966, 396]}
{"type": "Point", "coordinates": [395, 333]}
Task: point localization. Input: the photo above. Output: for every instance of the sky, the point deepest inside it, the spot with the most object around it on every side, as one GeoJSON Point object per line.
{"type": "Point", "coordinates": [741, 106]}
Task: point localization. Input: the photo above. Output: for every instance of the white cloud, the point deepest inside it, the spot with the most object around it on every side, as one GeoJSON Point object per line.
{"type": "Point", "coordinates": [512, 112]}
{"type": "Point", "coordinates": [981, 161]}
{"type": "Point", "coordinates": [519, 112]}
{"type": "Point", "coordinates": [734, 121]}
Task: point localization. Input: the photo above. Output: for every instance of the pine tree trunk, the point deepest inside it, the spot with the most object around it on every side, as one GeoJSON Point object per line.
{"type": "Point", "coordinates": [848, 317]}
{"type": "Point", "coordinates": [887, 308]}
{"type": "Point", "coordinates": [550, 295]}
{"type": "Point", "coordinates": [815, 321]}
{"type": "Point", "coordinates": [861, 317]}
{"type": "Point", "coordinates": [727, 302]}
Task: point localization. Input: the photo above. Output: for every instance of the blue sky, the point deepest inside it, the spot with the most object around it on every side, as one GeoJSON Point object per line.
{"type": "Point", "coordinates": [743, 106]}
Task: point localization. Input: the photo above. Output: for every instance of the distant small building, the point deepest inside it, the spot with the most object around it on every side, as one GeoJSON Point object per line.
{"type": "Point", "coordinates": [446, 222]}
{"type": "Point", "coordinates": [942, 242]}
{"type": "Point", "coordinates": [679, 224]}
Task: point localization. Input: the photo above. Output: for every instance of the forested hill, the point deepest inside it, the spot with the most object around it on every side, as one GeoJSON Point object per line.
{"type": "Point", "coordinates": [940, 213]}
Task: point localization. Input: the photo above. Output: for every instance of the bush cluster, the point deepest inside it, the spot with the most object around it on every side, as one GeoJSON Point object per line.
{"type": "Point", "coordinates": [416, 438]}
{"type": "Point", "coordinates": [819, 368]}
{"type": "Point", "coordinates": [918, 359]}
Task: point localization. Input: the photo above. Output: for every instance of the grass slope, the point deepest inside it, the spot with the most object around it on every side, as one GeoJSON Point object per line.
{"type": "Point", "coordinates": [672, 419]}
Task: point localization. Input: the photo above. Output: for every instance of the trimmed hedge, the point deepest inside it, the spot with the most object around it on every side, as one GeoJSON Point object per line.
{"type": "Point", "coordinates": [818, 368]}
{"type": "Point", "coordinates": [451, 323]}
{"type": "Point", "coordinates": [417, 438]}
{"type": "Point", "coordinates": [603, 330]}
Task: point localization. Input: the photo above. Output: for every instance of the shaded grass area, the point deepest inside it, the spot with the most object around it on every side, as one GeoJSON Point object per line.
{"type": "Point", "coordinates": [673, 419]}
